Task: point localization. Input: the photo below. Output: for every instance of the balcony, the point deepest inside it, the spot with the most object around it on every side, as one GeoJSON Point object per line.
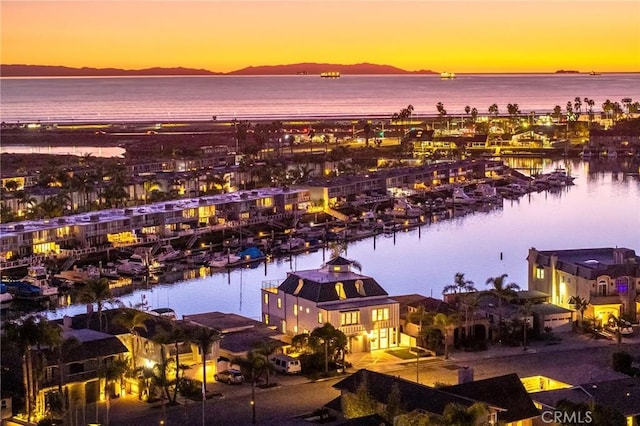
{"type": "Point", "coordinates": [350, 330]}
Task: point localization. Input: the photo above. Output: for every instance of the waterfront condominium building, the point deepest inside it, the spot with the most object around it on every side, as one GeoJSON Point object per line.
{"type": "Point", "coordinates": [353, 303]}
{"type": "Point", "coordinates": [607, 278]}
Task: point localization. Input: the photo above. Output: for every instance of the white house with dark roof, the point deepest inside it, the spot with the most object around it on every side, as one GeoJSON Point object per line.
{"type": "Point", "coordinates": [353, 303]}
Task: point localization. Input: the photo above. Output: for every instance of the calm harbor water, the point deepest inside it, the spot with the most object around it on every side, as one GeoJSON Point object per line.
{"type": "Point", "coordinates": [201, 97]}
{"type": "Point", "coordinates": [602, 209]}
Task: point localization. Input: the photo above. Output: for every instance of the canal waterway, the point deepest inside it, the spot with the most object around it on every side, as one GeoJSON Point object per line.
{"type": "Point", "coordinates": [602, 209]}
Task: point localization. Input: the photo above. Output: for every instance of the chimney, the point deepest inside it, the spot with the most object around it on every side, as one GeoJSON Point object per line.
{"type": "Point", "coordinates": [465, 375]}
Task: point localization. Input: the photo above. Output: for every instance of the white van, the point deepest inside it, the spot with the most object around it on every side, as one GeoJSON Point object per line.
{"type": "Point", "coordinates": [286, 364]}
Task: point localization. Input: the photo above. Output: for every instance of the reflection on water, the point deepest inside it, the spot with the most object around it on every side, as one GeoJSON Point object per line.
{"type": "Point", "coordinates": [96, 151]}
{"type": "Point", "coordinates": [600, 210]}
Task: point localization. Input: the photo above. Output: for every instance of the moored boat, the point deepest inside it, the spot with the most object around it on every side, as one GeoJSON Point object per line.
{"type": "Point", "coordinates": [221, 260]}
{"type": "Point", "coordinates": [39, 277]}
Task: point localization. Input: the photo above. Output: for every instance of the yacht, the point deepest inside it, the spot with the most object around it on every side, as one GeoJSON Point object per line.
{"type": "Point", "coordinates": [403, 208]}
{"type": "Point", "coordinates": [168, 253]}
{"type": "Point", "coordinates": [134, 265]}
{"type": "Point", "coordinates": [39, 277]}
{"type": "Point", "coordinates": [447, 75]}
{"type": "Point", "coordinates": [460, 197]}
{"type": "Point", "coordinates": [330, 74]}
{"type": "Point", "coordinates": [221, 260]}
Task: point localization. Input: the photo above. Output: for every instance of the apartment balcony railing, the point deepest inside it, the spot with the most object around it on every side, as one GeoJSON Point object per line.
{"type": "Point", "coordinates": [352, 329]}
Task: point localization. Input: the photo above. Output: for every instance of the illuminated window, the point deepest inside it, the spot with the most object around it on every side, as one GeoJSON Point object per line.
{"type": "Point", "coordinates": [299, 287]}
{"type": "Point", "coordinates": [266, 299]}
{"type": "Point", "coordinates": [307, 310]}
{"type": "Point", "coordinates": [360, 288]}
{"type": "Point", "coordinates": [279, 303]}
{"type": "Point", "coordinates": [349, 318]}
{"type": "Point", "coordinates": [266, 318]}
{"type": "Point", "coordinates": [340, 291]}
{"type": "Point", "coordinates": [284, 326]}
{"type": "Point", "coordinates": [539, 273]}
{"type": "Point", "coordinates": [295, 329]}
{"type": "Point", "coordinates": [602, 288]}
{"type": "Point", "coordinates": [295, 309]}
{"type": "Point", "coordinates": [320, 319]}
{"type": "Point", "coordinates": [381, 314]}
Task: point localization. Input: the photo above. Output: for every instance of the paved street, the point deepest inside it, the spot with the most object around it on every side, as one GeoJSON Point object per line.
{"type": "Point", "coordinates": [576, 359]}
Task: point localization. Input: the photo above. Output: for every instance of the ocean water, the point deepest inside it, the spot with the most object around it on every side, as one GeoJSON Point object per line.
{"type": "Point", "coordinates": [226, 97]}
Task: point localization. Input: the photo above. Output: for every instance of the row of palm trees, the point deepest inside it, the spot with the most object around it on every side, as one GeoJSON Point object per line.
{"type": "Point", "coordinates": [466, 298]}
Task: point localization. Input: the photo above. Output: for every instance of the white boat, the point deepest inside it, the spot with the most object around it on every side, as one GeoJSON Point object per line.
{"type": "Point", "coordinates": [292, 244]}
{"type": "Point", "coordinates": [134, 265]}
{"type": "Point", "coordinates": [39, 277]}
{"type": "Point", "coordinates": [168, 253]}
{"type": "Point", "coordinates": [512, 190]}
{"type": "Point", "coordinates": [221, 260]}
{"type": "Point", "coordinates": [447, 75]}
{"type": "Point", "coordinates": [486, 193]}
{"type": "Point", "coordinates": [403, 208]}
{"type": "Point", "coordinates": [458, 196]}
{"type": "Point", "coordinates": [330, 74]}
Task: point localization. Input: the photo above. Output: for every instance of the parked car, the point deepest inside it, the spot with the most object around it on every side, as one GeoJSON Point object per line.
{"type": "Point", "coordinates": [285, 364]}
{"type": "Point", "coordinates": [625, 326]}
{"type": "Point", "coordinates": [229, 376]}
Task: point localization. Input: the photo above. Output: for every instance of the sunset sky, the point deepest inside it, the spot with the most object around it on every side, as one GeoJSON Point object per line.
{"type": "Point", "coordinates": [454, 35]}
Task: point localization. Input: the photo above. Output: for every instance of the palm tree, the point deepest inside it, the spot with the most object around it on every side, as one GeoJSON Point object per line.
{"type": "Point", "coordinates": [579, 304]}
{"type": "Point", "coordinates": [204, 338]}
{"type": "Point", "coordinates": [332, 340]}
{"type": "Point", "coordinates": [366, 131]}
{"type": "Point", "coordinates": [493, 109]}
{"type": "Point", "coordinates": [420, 317]}
{"type": "Point", "coordinates": [63, 347]}
{"type": "Point", "coordinates": [460, 285]}
{"type": "Point", "coordinates": [97, 291]}
{"type": "Point", "coordinates": [502, 292]}
{"type": "Point", "coordinates": [132, 320]}
{"type": "Point", "coordinates": [441, 110]}
{"type": "Point", "coordinates": [266, 349]}
{"type": "Point", "coordinates": [255, 363]}
{"type": "Point", "coordinates": [443, 322]}
{"type": "Point", "coordinates": [577, 105]}
{"type": "Point", "coordinates": [32, 331]}
{"type": "Point", "coordinates": [111, 370]}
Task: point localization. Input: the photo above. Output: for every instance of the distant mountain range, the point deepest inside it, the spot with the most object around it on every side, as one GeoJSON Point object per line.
{"type": "Point", "coordinates": [19, 70]}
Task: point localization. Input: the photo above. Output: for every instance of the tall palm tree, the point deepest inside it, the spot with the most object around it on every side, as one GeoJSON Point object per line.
{"type": "Point", "coordinates": [332, 340]}
{"type": "Point", "coordinates": [63, 347]}
{"type": "Point", "coordinates": [204, 338]}
{"type": "Point", "coordinates": [580, 304]}
{"type": "Point", "coordinates": [32, 331]}
{"type": "Point", "coordinates": [110, 371]}
{"type": "Point", "coordinates": [97, 291]}
{"type": "Point", "coordinates": [460, 285]}
{"type": "Point", "coordinates": [133, 320]}
{"type": "Point", "coordinates": [577, 105]}
{"type": "Point", "coordinates": [420, 317]}
{"type": "Point", "coordinates": [255, 363]}
{"type": "Point", "coordinates": [502, 291]}
{"type": "Point", "coordinates": [443, 322]}
{"type": "Point", "coordinates": [266, 349]}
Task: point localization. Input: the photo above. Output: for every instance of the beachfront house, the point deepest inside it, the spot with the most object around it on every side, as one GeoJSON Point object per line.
{"type": "Point", "coordinates": [353, 303]}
